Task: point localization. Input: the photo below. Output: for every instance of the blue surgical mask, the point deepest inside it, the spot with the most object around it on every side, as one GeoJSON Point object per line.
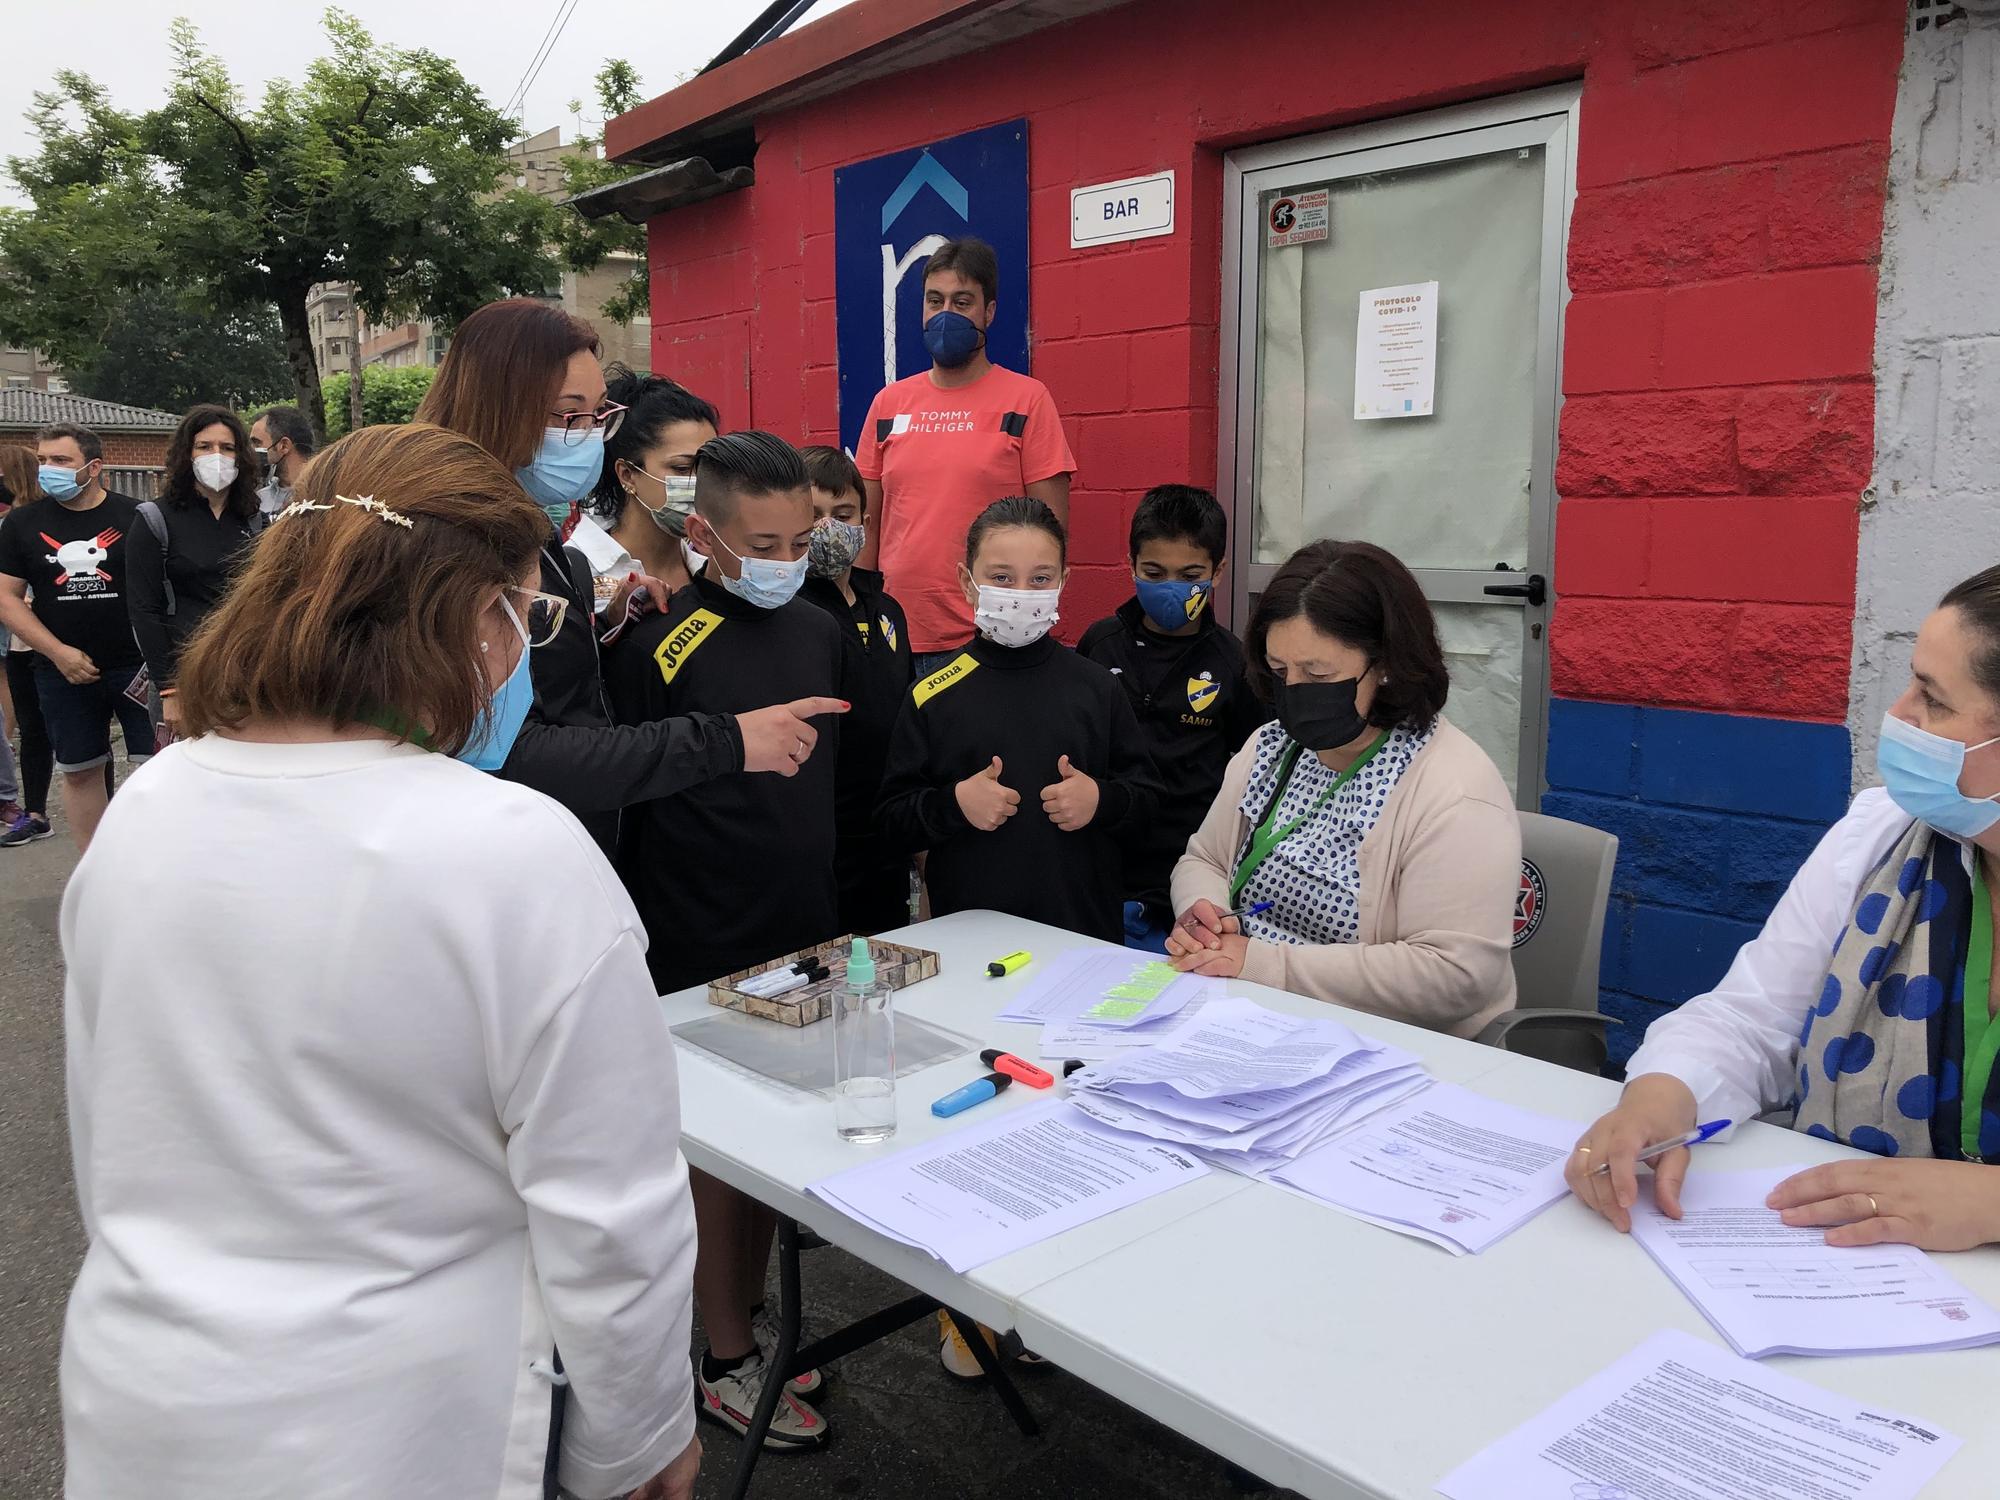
{"type": "Point", "coordinates": [766, 582]}
{"type": "Point", "coordinates": [57, 482]}
{"type": "Point", "coordinates": [561, 472]}
{"type": "Point", "coordinates": [952, 339]}
{"type": "Point", "coordinates": [1921, 770]}
{"type": "Point", "coordinates": [493, 737]}
{"type": "Point", "coordinates": [1172, 603]}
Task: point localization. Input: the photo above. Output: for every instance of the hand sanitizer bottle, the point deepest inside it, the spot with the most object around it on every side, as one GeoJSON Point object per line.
{"type": "Point", "coordinates": [864, 1052]}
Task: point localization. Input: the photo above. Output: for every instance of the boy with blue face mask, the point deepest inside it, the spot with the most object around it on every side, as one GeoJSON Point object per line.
{"type": "Point", "coordinates": [1184, 676]}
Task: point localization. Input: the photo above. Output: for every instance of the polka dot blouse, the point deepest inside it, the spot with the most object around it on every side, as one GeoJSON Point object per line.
{"type": "Point", "coordinates": [1313, 878]}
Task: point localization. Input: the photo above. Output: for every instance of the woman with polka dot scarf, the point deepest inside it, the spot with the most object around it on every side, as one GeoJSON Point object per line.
{"type": "Point", "coordinates": [1371, 847]}
{"type": "Point", "coordinates": [1865, 1006]}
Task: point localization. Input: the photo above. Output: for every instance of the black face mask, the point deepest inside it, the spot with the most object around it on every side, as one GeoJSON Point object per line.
{"type": "Point", "coordinates": [1321, 715]}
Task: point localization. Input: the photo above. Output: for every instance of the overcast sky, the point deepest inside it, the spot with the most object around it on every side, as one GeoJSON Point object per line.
{"type": "Point", "coordinates": [123, 44]}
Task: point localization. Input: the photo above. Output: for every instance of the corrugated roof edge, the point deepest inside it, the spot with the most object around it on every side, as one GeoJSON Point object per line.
{"type": "Point", "coordinates": [31, 408]}
{"type": "Point", "coordinates": [865, 40]}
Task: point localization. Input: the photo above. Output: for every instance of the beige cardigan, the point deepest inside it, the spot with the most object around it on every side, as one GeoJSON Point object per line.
{"type": "Point", "coordinates": [1439, 873]}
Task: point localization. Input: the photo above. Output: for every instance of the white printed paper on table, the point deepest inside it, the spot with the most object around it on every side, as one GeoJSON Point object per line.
{"type": "Point", "coordinates": [1395, 352]}
{"type": "Point", "coordinates": [1771, 1289]}
{"type": "Point", "coordinates": [1679, 1419]}
{"type": "Point", "coordinates": [1445, 1165]}
{"type": "Point", "coordinates": [1012, 1181]}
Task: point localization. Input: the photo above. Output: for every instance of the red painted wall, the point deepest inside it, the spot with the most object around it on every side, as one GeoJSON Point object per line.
{"type": "Point", "coordinates": [1719, 412]}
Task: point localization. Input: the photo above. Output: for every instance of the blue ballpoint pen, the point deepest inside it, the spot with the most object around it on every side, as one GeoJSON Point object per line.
{"type": "Point", "coordinates": [1660, 1148]}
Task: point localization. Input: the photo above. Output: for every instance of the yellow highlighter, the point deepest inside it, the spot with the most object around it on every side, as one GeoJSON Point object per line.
{"type": "Point", "coordinates": [1007, 965]}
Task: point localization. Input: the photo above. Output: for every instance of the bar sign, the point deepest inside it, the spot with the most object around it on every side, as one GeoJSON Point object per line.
{"type": "Point", "coordinates": [1136, 208]}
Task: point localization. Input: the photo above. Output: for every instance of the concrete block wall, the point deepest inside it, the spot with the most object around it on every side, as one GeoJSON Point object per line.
{"type": "Point", "coordinates": [1933, 514]}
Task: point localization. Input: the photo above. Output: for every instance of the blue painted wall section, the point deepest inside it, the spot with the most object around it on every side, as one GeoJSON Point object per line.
{"type": "Point", "coordinates": [1713, 814]}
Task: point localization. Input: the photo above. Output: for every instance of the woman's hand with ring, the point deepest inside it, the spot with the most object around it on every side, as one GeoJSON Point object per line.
{"type": "Point", "coordinates": [1934, 1205]}
{"type": "Point", "coordinates": [1654, 1107]}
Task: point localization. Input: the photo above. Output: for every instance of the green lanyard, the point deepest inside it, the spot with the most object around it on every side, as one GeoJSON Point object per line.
{"type": "Point", "coordinates": [1982, 1035]}
{"type": "Point", "coordinates": [399, 726]}
{"type": "Point", "coordinates": [1269, 835]}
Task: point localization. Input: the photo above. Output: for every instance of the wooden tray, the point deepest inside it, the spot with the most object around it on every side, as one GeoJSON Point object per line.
{"type": "Point", "coordinates": [895, 965]}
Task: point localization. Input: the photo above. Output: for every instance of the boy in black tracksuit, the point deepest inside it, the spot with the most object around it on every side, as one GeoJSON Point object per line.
{"type": "Point", "coordinates": [1183, 674]}
{"type": "Point", "coordinates": [739, 870]}
{"type": "Point", "coordinates": [873, 871]}
{"type": "Point", "coordinates": [1018, 765]}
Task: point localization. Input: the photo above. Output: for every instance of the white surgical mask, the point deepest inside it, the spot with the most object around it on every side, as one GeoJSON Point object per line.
{"type": "Point", "coordinates": [215, 470]}
{"type": "Point", "coordinates": [1015, 617]}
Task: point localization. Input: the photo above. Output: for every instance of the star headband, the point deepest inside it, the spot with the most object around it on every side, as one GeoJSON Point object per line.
{"type": "Point", "coordinates": [362, 502]}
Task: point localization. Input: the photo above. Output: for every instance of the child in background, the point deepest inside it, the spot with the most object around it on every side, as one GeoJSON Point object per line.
{"type": "Point", "coordinates": [874, 874]}
{"type": "Point", "coordinates": [1184, 676]}
{"type": "Point", "coordinates": [738, 870]}
{"type": "Point", "coordinates": [1018, 764]}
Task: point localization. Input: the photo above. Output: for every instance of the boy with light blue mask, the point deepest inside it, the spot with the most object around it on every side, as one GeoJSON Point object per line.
{"type": "Point", "coordinates": [742, 869]}
{"type": "Point", "coordinates": [1184, 675]}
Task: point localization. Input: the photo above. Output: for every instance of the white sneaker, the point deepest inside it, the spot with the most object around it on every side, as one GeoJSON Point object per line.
{"type": "Point", "coordinates": [764, 1329]}
{"type": "Point", "coordinates": [732, 1401]}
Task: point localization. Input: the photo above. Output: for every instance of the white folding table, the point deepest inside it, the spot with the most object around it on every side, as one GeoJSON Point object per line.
{"type": "Point", "coordinates": [1327, 1355]}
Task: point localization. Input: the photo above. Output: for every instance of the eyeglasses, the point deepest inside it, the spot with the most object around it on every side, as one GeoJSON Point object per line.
{"type": "Point", "coordinates": [577, 425]}
{"type": "Point", "coordinates": [542, 620]}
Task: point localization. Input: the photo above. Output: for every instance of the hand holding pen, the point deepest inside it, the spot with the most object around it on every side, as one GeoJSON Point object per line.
{"type": "Point", "coordinates": [1655, 1121]}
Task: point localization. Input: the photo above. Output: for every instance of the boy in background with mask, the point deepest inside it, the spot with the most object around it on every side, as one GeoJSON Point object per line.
{"type": "Point", "coordinates": [1018, 764]}
{"type": "Point", "coordinates": [638, 514]}
{"type": "Point", "coordinates": [874, 875]}
{"type": "Point", "coordinates": [1183, 674]}
{"type": "Point", "coordinates": [937, 445]}
{"type": "Point", "coordinates": [740, 869]}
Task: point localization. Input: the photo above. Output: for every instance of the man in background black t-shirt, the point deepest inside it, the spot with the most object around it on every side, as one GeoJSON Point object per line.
{"type": "Point", "coordinates": [68, 550]}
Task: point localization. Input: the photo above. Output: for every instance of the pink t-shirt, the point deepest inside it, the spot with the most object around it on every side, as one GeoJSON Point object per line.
{"type": "Point", "coordinates": [943, 456]}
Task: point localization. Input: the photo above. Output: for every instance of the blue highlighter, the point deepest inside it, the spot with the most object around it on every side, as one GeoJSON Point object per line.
{"type": "Point", "coordinates": [976, 1092]}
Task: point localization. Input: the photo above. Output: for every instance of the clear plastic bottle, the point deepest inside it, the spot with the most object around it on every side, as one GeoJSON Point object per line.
{"type": "Point", "coordinates": [864, 1052]}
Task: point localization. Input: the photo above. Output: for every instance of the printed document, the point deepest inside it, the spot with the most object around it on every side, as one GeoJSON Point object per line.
{"type": "Point", "coordinates": [1082, 979]}
{"type": "Point", "coordinates": [1020, 1178]}
{"type": "Point", "coordinates": [1771, 1289]}
{"type": "Point", "coordinates": [1679, 1419]}
{"type": "Point", "coordinates": [1445, 1165]}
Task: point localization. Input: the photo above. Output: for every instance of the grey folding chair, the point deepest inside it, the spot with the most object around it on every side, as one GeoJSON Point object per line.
{"type": "Point", "coordinates": [1558, 937]}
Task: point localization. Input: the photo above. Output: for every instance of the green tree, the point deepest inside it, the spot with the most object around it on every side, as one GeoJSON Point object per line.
{"type": "Point", "coordinates": [387, 395]}
{"type": "Point", "coordinates": [153, 350]}
{"type": "Point", "coordinates": [381, 168]}
{"type": "Point", "coordinates": [585, 244]}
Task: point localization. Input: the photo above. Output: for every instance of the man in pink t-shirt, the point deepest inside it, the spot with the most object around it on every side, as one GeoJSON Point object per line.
{"type": "Point", "coordinates": [939, 447]}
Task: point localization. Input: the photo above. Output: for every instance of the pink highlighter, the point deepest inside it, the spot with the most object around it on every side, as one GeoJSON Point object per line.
{"type": "Point", "coordinates": [1017, 1068]}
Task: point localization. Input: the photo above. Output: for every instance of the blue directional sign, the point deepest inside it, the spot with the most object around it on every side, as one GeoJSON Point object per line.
{"type": "Point", "coordinates": [889, 214]}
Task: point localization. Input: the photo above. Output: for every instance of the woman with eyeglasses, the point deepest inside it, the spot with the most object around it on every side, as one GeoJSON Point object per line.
{"type": "Point", "coordinates": [522, 380]}
{"type": "Point", "coordinates": [383, 1190]}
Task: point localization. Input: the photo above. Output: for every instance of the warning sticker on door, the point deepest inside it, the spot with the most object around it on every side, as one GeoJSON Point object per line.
{"type": "Point", "coordinates": [1297, 218]}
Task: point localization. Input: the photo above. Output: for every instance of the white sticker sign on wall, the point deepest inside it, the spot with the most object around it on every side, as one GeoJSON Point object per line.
{"type": "Point", "coordinates": [1297, 218]}
{"type": "Point", "coordinates": [1395, 352]}
{"type": "Point", "coordinates": [1134, 208]}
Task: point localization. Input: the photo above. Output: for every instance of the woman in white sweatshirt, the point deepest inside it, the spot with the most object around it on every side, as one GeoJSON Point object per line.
{"type": "Point", "coordinates": [372, 1105]}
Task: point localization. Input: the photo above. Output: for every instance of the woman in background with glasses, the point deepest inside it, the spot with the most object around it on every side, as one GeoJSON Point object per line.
{"type": "Point", "coordinates": [522, 380]}
{"type": "Point", "coordinates": [354, 1173]}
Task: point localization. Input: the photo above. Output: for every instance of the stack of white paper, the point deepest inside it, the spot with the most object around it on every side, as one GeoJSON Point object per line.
{"type": "Point", "coordinates": [1013, 1181]}
{"type": "Point", "coordinates": [1677, 1419]}
{"type": "Point", "coordinates": [1093, 1003]}
{"type": "Point", "coordinates": [1446, 1165]}
{"type": "Point", "coordinates": [1771, 1289]}
{"type": "Point", "coordinates": [1245, 1087]}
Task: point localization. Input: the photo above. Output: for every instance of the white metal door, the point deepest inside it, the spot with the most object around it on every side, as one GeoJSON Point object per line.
{"type": "Point", "coordinates": [1475, 199]}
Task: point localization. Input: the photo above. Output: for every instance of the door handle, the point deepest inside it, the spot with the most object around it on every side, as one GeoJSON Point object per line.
{"type": "Point", "coordinates": [1535, 590]}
